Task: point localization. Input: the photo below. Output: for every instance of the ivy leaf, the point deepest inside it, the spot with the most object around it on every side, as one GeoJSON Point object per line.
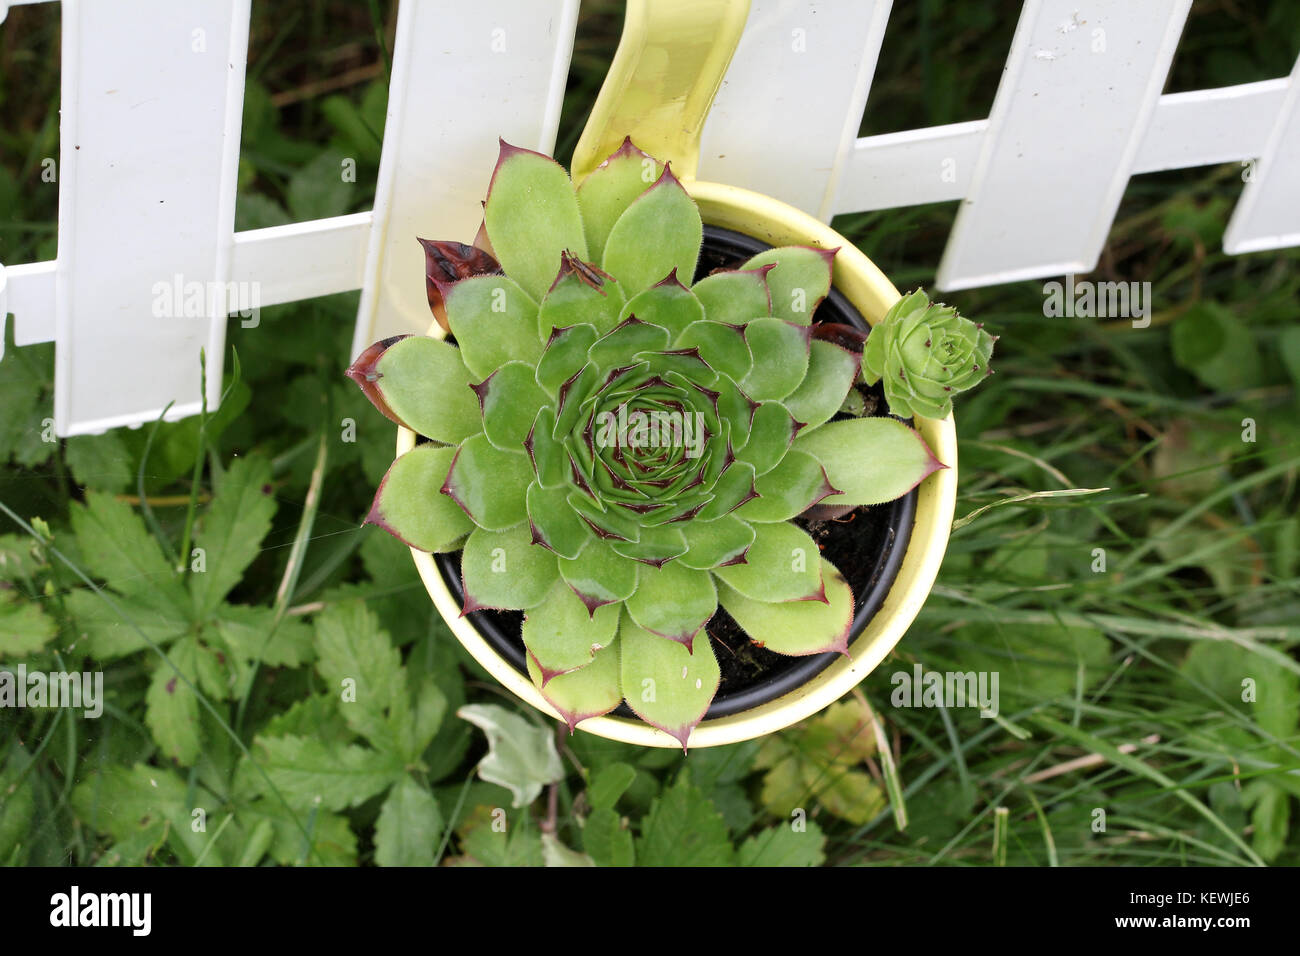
{"type": "Point", "coordinates": [521, 756]}
{"type": "Point", "coordinates": [409, 828]}
{"type": "Point", "coordinates": [309, 772]}
{"type": "Point", "coordinates": [232, 530]}
{"type": "Point", "coordinates": [782, 845]}
{"type": "Point", "coordinates": [24, 627]}
{"type": "Point", "coordinates": [683, 829]}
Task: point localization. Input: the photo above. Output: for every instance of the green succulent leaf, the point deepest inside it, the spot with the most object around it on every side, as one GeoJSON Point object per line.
{"type": "Point", "coordinates": [494, 321]}
{"type": "Point", "coordinates": [410, 505]}
{"type": "Point", "coordinates": [554, 523]}
{"type": "Point", "coordinates": [561, 636]}
{"type": "Point", "coordinates": [665, 684]}
{"type": "Point", "coordinates": [580, 294]}
{"type": "Point", "coordinates": [796, 628]}
{"type": "Point", "coordinates": [531, 216]}
{"type": "Point", "coordinates": [722, 346]}
{"type": "Point", "coordinates": [565, 356]}
{"type": "Point", "coordinates": [590, 691]}
{"type": "Point", "coordinates": [780, 351]}
{"type": "Point", "coordinates": [734, 296]}
{"type": "Point", "coordinates": [711, 544]}
{"type": "Point", "coordinates": [783, 564]}
{"type": "Point", "coordinates": [505, 570]}
{"type": "Point", "coordinates": [421, 383]}
{"type": "Point", "coordinates": [770, 434]}
{"type": "Point", "coordinates": [673, 601]}
{"type": "Point", "coordinates": [599, 575]}
{"type": "Point", "coordinates": [832, 371]}
{"type": "Point", "coordinates": [667, 304]}
{"type": "Point", "coordinates": [609, 190]}
{"type": "Point", "coordinates": [788, 490]}
{"type": "Point", "coordinates": [800, 281]}
{"type": "Point", "coordinates": [510, 399]}
{"type": "Point", "coordinates": [870, 460]}
{"type": "Point", "coordinates": [490, 484]}
{"type": "Point", "coordinates": [658, 233]}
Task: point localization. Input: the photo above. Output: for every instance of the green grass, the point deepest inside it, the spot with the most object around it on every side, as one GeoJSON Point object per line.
{"type": "Point", "coordinates": [1121, 689]}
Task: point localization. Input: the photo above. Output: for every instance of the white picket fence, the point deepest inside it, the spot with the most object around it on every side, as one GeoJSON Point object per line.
{"type": "Point", "coordinates": [152, 94]}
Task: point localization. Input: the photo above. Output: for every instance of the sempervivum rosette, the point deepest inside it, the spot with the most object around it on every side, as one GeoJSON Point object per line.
{"type": "Point", "coordinates": [619, 449]}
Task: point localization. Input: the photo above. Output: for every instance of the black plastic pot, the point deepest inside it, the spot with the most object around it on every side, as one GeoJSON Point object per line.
{"type": "Point", "coordinates": [887, 529]}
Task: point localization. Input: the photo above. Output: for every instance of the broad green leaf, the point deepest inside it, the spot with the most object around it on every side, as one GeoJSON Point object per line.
{"type": "Point", "coordinates": [117, 548]}
{"type": "Point", "coordinates": [361, 667]}
{"type": "Point", "coordinates": [683, 829]}
{"type": "Point", "coordinates": [870, 460]}
{"type": "Point", "coordinates": [599, 575]}
{"type": "Point", "coordinates": [494, 321]}
{"type": "Point", "coordinates": [101, 462]}
{"type": "Point", "coordinates": [799, 282]}
{"type": "Point", "coordinates": [17, 807]}
{"type": "Point", "coordinates": [667, 685]}
{"type": "Point", "coordinates": [510, 399]}
{"type": "Point", "coordinates": [722, 346]}
{"type": "Point", "coordinates": [318, 191]}
{"type": "Point", "coordinates": [609, 783]}
{"type": "Point", "coordinates": [658, 233]}
{"type": "Point", "coordinates": [590, 691]}
{"type": "Point", "coordinates": [532, 216]}
{"type": "Point", "coordinates": [796, 627]}
{"type": "Point", "coordinates": [783, 564]}
{"type": "Point", "coordinates": [171, 709]}
{"type": "Point", "coordinates": [783, 845]}
{"type": "Point", "coordinates": [521, 756]}
{"type": "Point", "coordinates": [561, 636]}
{"type": "Point", "coordinates": [245, 630]}
{"type": "Point", "coordinates": [107, 635]}
{"type": "Point", "coordinates": [789, 489]}
{"type": "Point", "coordinates": [1217, 347]}
{"type": "Point", "coordinates": [673, 601]}
{"type": "Point", "coordinates": [409, 829]}
{"type": "Point", "coordinates": [577, 297]}
{"type": "Point", "coordinates": [125, 802]}
{"type": "Point", "coordinates": [416, 727]}
{"type": "Point", "coordinates": [426, 386]}
{"type": "Point", "coordinates": [606, 840]}
{"type": "Point", "coordinates": [770, 435]}
{"type": "Point", "coordinates": [310, 772]}
{"type": "Point", "coordinates": [490, 484]}
{"type": "Point", "coordinates": [231, 531]}
{"type": "Point", "coordinates": [24, 627]}
{"type": "Point", "coordinates": [831, 373]}
{"type": "Point", "coordinates": [1270, 818]}
{"type": "Point", "coordinates": [780, 351]}
{"type": "Point", "coordinates": [554, 522]}
{"type": "Point", "coordinates": [556, 853]}
{"type": "Point", "coordinates": [734, 296]}
{"type": "Point", "coordinates": [332, 841]}
{"type": "Point", "coordinates": [410, 504]}
{"type": "Point", "coordinates": [610, 189]}
{"type": "Point", "coordinates": [505, 570]}
{"type": "Point", "coordinates": [518, 845]}
{"type": "Point", "coordinates": [720, 541]}
{"type": "Point", "coordinates": [669, 305]}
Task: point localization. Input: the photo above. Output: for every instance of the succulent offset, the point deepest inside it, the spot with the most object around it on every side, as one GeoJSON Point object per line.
{"type": "Point", "coordinates": [618, 449]}
{"type": "Point", "coordinates": [924, 353]}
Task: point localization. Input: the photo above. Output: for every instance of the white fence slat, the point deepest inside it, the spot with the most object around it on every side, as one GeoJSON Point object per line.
{"type": "Point", "coordinates": [152, 98]}
{"type": "Point", "coordinates": [787, 114]}
{"type": "Point", "coordinates": [1081, 83]}
{"type": "Point", "coordinates": [1268, 215]}
{"type": "Point", "coordinates": [1203, 127]}
{"type": "Point", "coordinates": [497, 68]}
{"type": "Point", "coordinates": [303, 260]}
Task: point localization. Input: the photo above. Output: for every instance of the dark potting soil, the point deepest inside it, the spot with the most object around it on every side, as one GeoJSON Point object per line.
{"type": "Point", "coordinates": [866, 545]}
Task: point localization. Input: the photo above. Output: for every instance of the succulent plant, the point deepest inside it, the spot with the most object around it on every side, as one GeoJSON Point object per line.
{"type": "Point", "coordinates": [924, 353]}
{"type": "Point", "coordinates": [618, 449]}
